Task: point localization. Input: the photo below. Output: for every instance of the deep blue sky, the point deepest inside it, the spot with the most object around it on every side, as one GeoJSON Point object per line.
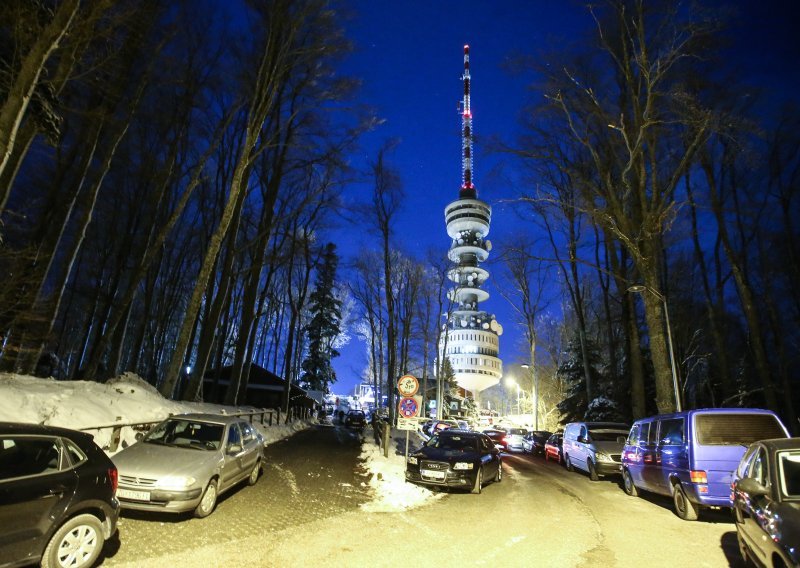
{"type": "Point", "coordinates": [409, 57]}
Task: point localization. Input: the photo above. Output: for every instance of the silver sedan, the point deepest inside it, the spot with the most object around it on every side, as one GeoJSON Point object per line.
{"type": "Point", "coordinates": [186, 462]}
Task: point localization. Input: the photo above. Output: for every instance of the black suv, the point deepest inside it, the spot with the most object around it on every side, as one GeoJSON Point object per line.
{"type": "Point", "coordinates": [355, 419]}
{"type": "Point", "coordinates": [57, 496]}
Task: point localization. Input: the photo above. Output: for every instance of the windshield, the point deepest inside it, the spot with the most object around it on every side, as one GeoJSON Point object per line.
{"type": "Point", "coordinates": [454, 443]}
{"type": "Point", "coordinates": [607, 435]}
{"type": "Point", "coordinates": [789, 473]}
{"type": "Point", "coordinates": [187, 433]}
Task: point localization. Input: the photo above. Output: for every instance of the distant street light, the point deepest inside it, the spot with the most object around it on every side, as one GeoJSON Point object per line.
{"type": "Point", "coordinates": [638, 289]}
{"type": "Point", "coordinates": [512, 383]}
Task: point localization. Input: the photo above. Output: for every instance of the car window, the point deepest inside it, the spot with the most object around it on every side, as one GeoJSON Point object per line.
{"type": "Point", "coordinates": [248, 432]}
{"type": "Point", "coordinates": [234, 435]}
{"type": "Point", "coordinates": [789, 473]}
{"type": "Point", "coordinates": [747, 460]}
{"type": "Point", "coordinates": [454, 443]}
{"type": "Point", "coordinates": [25, 456]}
{"type": "Point", "coordinates": [633, 436]}
{"type": "Point", "coordinates": [74, 453]}
{"type": "Point", "coordinates": [735, 429]}
{"type": "Point", "coordinates": [607, 435]}
{"type": "Point", "coordinates": [758, 469]}
{"type": "Point", "coordinates": [672, 432]}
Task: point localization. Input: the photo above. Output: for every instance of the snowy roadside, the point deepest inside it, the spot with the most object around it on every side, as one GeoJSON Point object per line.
{"type": "Point", "coordinates": [128, 399]}
{"type": "Point", "coordinates": [390, 491]}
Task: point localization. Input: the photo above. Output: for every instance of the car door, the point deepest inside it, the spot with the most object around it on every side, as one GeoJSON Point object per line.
{"type": "Point", "coordinates": [36, 486]}
{"type": "Point", "coordinates": [233, 453]}
{"type": "Point", "coordinates": [672, 453]}
{"type": "Point", "coordinates": [651, 468]}
{"type": "Point", "coordinates": [252, 447]}
{"type": "Point", "coordinates": [753, 514]}
{"type": "Point", "coordinates": [490, 457]}
{"type": "Point", "coordinates": [579, 458]}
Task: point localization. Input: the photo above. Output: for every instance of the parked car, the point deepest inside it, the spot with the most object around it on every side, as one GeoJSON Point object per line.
{"type": "Point", "coordinates": [456, 458]}
{"type": "Point", "coordinates": [498, 437]}
{"type": "Point", "coordinates": [355, 419]}
{"type": "Point", "coordinates": [594, 447]}
{"type": "Point", "coordinates": [552, 447]}
{"type": "Point", "coordinates": [514, 438]}
{"type": "Point", "coordinates": [534, 441]}
{"type": "Point", "coordinates": [691, 455]}
{"type": "Point", "coordinates": [57, 503]}
{"type": "Point", "coordinates": [766, 503]}
{"type": "Point", "coordinates": [187, 461]}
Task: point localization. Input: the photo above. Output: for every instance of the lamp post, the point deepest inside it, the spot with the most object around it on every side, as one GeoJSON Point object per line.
{"type": "Point", "coordinates": [512, 383]}
{"type": "Point", "coordinates": [639, 288]}
{"type": "Point", "coordinates": [535, 392]}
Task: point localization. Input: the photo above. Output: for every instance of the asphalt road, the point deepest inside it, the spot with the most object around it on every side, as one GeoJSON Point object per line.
{"type": "Point", "coordinates": [305, 511]}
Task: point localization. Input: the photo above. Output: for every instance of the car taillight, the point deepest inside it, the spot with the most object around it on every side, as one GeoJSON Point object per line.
{"type": "Point", "coordinates": [698, 476]}
{"type": "Point", "coordinates": [114, 477]}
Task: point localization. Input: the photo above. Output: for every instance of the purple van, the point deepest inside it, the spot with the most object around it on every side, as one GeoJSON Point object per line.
{"type": "Point", "coordinates": [691, 455]}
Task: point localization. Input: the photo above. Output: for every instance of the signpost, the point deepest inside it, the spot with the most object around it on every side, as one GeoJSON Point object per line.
{"type": "Point", "coordinates": [409, 405]}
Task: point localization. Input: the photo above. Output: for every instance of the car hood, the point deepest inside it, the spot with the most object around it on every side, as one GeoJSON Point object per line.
{"type": "Point", "coordinates": [154, 461]}
{"type": "Point", "coordinates": [440, 454]}
{"type": "Point", "coordinates": [609, 447]}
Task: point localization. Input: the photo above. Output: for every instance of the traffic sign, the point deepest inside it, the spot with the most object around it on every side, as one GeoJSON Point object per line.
{"type": "Point", "coordinates": [408, 407]}
{"type": "Point", "coordinates": [406, 423]}
{"type": "Point", "coordinates": [408, 385]}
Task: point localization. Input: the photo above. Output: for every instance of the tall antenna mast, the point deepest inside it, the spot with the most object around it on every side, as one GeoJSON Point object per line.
{"type": "Point", "coordinates": [467, 188]}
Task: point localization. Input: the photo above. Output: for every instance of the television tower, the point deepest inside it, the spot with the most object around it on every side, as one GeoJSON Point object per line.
{"type": "Point", "coordinates": [471, 338]}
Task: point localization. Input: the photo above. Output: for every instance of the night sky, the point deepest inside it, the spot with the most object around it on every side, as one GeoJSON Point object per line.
{"type": "Point", "coordinates": [409, 56]}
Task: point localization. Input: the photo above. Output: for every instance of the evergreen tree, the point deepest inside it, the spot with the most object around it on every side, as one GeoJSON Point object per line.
{"type": "Point", "coordinates": [323, 328]}
{"type": "Point", "coordinates": [575, 406]}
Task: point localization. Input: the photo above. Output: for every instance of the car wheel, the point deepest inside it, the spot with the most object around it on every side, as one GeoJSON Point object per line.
{"type": "Point", "coordinates": [254, 474]}
{"type": "Point", "coordinates": [592, 470]}
{"type": "Point", "coordinates": [208, 502]}
{"type": "Point", "coordinates": [684, 508]}
{"type": "Point", "coordinates": [568, 463]}
{"type": "Point", "coordinates": [499, 476]}
{"type": "Point", "coordinates": [478, 487]}
{"type": "Point", "coordinates": [628, 485]}
{"type": "Point", "coordinates": [76, 544]}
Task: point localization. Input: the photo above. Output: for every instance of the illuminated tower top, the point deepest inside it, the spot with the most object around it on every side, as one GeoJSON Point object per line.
{"type": "Point", "coordinates": [467, 187]}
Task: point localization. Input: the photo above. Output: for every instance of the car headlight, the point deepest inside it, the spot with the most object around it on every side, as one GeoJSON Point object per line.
{"type": "Point", "coordinates": [603, 457]}
{"type": "Point", "coordinates": [176, 482]}
{"type": "Point", "coordinates": [412, 460]}
{"type": "Point", "coordinates": [462, 465]}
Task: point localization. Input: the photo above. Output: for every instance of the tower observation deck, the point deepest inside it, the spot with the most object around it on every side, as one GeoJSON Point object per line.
{"type": "Point", "coordinates": [471, 341]}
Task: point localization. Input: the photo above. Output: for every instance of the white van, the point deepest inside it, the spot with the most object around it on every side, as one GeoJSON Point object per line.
{"type": "Point", "coordinates": [594, 447]}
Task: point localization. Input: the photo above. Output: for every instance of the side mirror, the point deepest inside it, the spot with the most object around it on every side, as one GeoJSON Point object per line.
{"type": "Point", "coordinates": [234, 449]}
{"type": "Point", "coordinates": [581, 439]}
{"type": "Point", "coordinates": [752, 487]}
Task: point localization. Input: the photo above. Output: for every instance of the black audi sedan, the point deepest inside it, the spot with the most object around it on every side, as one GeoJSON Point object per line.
{"type": "Point", "coordinates": [456, 458]}
{"type": "Point", "coordinates": [57, 496]}
{"type": "Point", "coordinates": [766, 503]}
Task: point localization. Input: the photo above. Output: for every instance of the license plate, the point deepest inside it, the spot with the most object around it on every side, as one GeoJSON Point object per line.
{"type": "Point", "coordinates": [135, 495]}
{"type": "Point", "coordinates": [433, 474]}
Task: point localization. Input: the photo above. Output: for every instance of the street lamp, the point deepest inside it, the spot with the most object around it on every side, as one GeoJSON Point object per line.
{"type": "Point", "coordinates": [638, 289]}
{"type": "Point", "coordinates": [535, 382]}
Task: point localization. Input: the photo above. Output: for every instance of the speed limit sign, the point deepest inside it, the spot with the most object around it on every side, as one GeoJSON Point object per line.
{"type": "Point", "coordinates": [407, 385]}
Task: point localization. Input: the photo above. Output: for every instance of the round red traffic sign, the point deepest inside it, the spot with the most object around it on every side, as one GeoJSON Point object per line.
{"type": "Point", "coordinates": [408, 385]}
{"type": "Point", "coordinates": [408, 407]}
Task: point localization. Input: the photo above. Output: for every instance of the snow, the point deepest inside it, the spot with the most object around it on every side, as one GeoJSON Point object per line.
{"type": "Point", "coordinates": [128, 399]}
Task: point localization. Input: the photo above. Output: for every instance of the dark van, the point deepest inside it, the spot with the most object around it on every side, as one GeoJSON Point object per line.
{"type": "Point", "coordinates": [691, 455]}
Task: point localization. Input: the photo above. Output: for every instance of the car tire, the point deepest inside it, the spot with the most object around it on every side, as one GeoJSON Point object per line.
{"type": "Point", "coordinates": [499, 475]}
{"type": "Point", "coordinates": [478, 486]}
{"type": "Point", "coordinates": [206, 505]}
{"type": "Point", "coordinates": [568, 464]}
{"type": "Point", "coordinates": [592, 470]}
{"type": "Point", "coordinates": [253, 478]}
{"type": "Point", "coordinates": [628, 485]}
{"type": "Point", "coordinates": [684, 508]}
{"type": "Point", "coordinates": [77, 543]}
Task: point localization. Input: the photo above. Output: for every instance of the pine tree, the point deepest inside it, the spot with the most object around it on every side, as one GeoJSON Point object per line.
{"type": "Point", "coordinates": [324, 326]}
